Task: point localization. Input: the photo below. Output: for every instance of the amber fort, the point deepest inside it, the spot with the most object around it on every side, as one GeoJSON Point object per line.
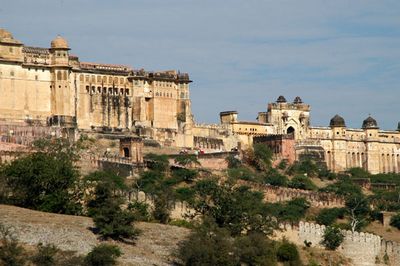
{"type": "Point", "coordinates": [49, 91]}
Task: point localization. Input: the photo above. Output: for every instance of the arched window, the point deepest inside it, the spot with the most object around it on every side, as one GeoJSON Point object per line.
{"type": "Point", "coordinates": [290, 130]}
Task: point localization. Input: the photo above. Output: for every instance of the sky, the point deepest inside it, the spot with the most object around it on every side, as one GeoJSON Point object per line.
{"type": "Point", "coordinates": [341, 57]}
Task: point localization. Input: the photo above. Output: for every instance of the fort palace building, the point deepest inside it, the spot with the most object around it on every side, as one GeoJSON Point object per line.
{"type": "Point", "coordinates": [49, 91]}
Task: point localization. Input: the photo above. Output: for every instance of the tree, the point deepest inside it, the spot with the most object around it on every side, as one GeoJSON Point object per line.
{"type": "Point", "coordinates": [329, 216]}
{"type": "Point", "coordinates": [187, 160]}
{"type": "Point", "coordinates": [105, 209]}
{"type": "Point", "coordinates": [156, 162]}
{"type": "Point", "coordinates": [236, 208]}
{"type": "Point", "coordinates": [395, 221]}
{"type": "Point", "coordinates": [233, 161]}
{"type": "Point", "coordinates": [103, 255]}
{"type": "Point", "coordinates": [302, 182]}
{"type": "Point", "coordinates": [291, 211]}
{"type": "Point", "coordinates": [357, 207]}
{"type": "Point", "coordinates": [47, 179]}
{"type": "Point", "coordinates": [259, 157]}
{"type": "Point", "coordinates": [332, 238]}
{"type": "Point", "coordinates": [274, 178]}
{"type": "Point", "coordinates": [255, 249]}
{"type": "Point", "coordinates": [207, 245]}
{"type": "Point", "coordinates": [288, 254]}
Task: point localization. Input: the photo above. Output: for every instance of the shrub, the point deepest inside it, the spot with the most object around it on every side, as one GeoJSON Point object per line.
{"type": "Point", "coordinates": [140, 210]}
{"type": "Point", "coordinates": [329, 216]}
{"type": "Point", "coordinates": [156, 162]}
{"type": "Point", "coordinates": [184, 194]}
{"type": "Point", "coordinates": [332, 238]}
{"type": "Point", "coordinates": [288, 253]}
{"type": "Point", "coordinates": [233, 162]}
{"type": "Point", "coordinates": [45, 255]}
{"type": "Point", "coordinates": [161, 210]}
{"type": "Point", "coordinates": [242, 173]}
{"type": "Point", "coordinates": [395, 221]}
{"type": "Point", "coordinates": [276, 179]}
{"type": "Point", "coordinates": [183, 174]}
{"type": "Point", "coordinates": [103, 255]}
{"type": "Point", "coordinates": [255, 249]}
{"type": "Point", "coordinates": [11, 253]}
{"type": "Point", "coordinates": [207, 245]}
{"type": "Point", "coordinates": [291, 211]}
{"type": "Point", "coordinates": [302, 182]}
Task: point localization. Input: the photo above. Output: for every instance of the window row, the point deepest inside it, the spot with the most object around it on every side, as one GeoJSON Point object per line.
{"type": "Point", "coordinates": [110, 91]}
{"type": "Point", "coordinates": [99, 79]}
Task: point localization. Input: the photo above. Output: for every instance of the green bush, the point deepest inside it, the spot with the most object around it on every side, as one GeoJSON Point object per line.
{"type": "Point", "coordinates": [45, 255]}
{"type": "Point", "coordinates": [11, 253]}
{"type": "Point", "coordinates": [184, 194]}
{"type": "Point", "coordinates": [332, 238]}
{"type": "Point", "coordinates": [395, 221]}
{"type": "Point", "coordinates": [140, 210]}
{"type": "Point", "coordinates": [242, 173]}
{"type": "Point", "coordinates": [255, 249]}
{"type": "Point", "coordinates": [302, 182]}
{"type": "Point", "coordinates": [288, 254]}
{"type": "Point", "coordinates": [157, 162]}
{"type": "Point", "coordinates": [291, 211]}
{"type": "Point", "coordinates": [329, 216]}
{"type": "Point", "coordinates": [187, 175]}
{"type": "Point", "coordinates": [103, 255]}
{"type": "Point", "coordinates": [276, 179]}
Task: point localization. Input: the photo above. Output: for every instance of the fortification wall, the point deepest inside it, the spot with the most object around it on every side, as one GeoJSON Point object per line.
{"type": "Point", "coordinates": [278, 194]}
{"type": "Point", "coordinates": [363, 248]}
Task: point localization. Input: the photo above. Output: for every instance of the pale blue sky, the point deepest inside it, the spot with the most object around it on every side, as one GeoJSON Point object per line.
{"type": "Point", "coordinates": [339, 56]}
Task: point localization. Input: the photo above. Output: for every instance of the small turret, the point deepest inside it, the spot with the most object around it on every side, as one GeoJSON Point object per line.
{"type": "Point", "coordinates": [337, 121]}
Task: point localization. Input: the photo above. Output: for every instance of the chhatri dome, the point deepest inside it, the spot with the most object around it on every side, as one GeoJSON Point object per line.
{"type": "Point", "coordinates": [5, 34]}
{"type": "Point", "coordinates": [369, 122]}
{"type": "Point", "coordinates": [337, 121]}
{"type": "Point", "coordinates": [59, 42]}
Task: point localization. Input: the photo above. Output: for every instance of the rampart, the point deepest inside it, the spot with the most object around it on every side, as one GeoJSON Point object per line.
{"type": "Point", "coordinates": [278, 194]}
{"type": "Point", "coordinates": [363, 248]}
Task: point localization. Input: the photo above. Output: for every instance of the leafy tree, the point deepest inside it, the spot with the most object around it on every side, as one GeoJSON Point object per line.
{"type": "Point", "coordinates": [184, 194]}
{"type": "Point", "coordinates": [11, 253]}
{"type": "Point", "coordinates": [161, 210]}
{"type": "Point", "coordinates": [288, 254]}
{"type": "Point", "coordinates": [207, 245]}
{"type": "Point", "coordinates": [105, 208]}
{"type": "Point", "coordinates": [46, 180]}
{"type": "Point", "coordinates": [115, 182]}
{"type": "Point", "coordinates": [103, 255]}
{"type": "Point", "coordinates": [235, 208]}
{"type": "Point", "coordinates": [343, 187]}
{"type": "Point", "coordinates": [255, 249]}
{"type": "Point", "coordinates": [187, 175]}
{"type": "Point", "coordinates": [276, 179]}
{"type": "Point", "coordinates": [358, 172]}
{"type": "Point", "coordinates": [187, 160]}
{"type": "Point", "coordinates": [291, 211]}
{"type": "Point", "coordinates": [357, 207]}
{"type": "Point", "coordinates": [302, 182]}
{"type": "Point", "coordinates": [149, 181]}
{"type": "Point", "coordinates": [156, 162]}
{"type": "Point", "coordinates": [259, 157]}
{"type": "Point", "coordinates": [329, 216]}
{"type": "Point", "coordinates": [242, 173]}
{"type": "Point", "coordinates": [395, 221]}
{"type": "Point", "coordinates": [332, 238]}
{"type": "Point", "coordinates": [140, 210]}
{"type": "Point", "coordinates": [308, 167]}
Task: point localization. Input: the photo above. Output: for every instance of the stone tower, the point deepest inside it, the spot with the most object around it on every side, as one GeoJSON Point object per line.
{"type": "Point", "coordinates": [372, 159]}
{"type": "Point", "coordinates": [62, 93]}
{"type": "Point", "coordinates": [339, 146]}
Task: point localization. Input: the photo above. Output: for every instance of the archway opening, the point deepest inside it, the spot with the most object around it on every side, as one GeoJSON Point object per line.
{"type": "Point", "coordinates": [127, 154]}
{"type": "Point", "coordinates": [290, 130]}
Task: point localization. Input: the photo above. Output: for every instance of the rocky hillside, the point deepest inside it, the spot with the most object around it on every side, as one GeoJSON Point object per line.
{"type": "Point", "coordinates": [154, 246]}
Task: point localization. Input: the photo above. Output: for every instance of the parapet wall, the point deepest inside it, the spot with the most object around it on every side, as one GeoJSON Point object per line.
{"type": "Point", "coordinates": [362, 248]}
{"type": "Point", "coordinates": [278, 194]}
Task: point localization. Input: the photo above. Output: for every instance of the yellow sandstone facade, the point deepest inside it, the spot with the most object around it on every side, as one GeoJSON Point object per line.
{"type": "Point", "coordinates": [49, 86]}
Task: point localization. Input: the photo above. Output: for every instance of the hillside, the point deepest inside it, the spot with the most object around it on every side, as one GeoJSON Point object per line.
{"type": "Point", "coordinates": [72, 233]}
